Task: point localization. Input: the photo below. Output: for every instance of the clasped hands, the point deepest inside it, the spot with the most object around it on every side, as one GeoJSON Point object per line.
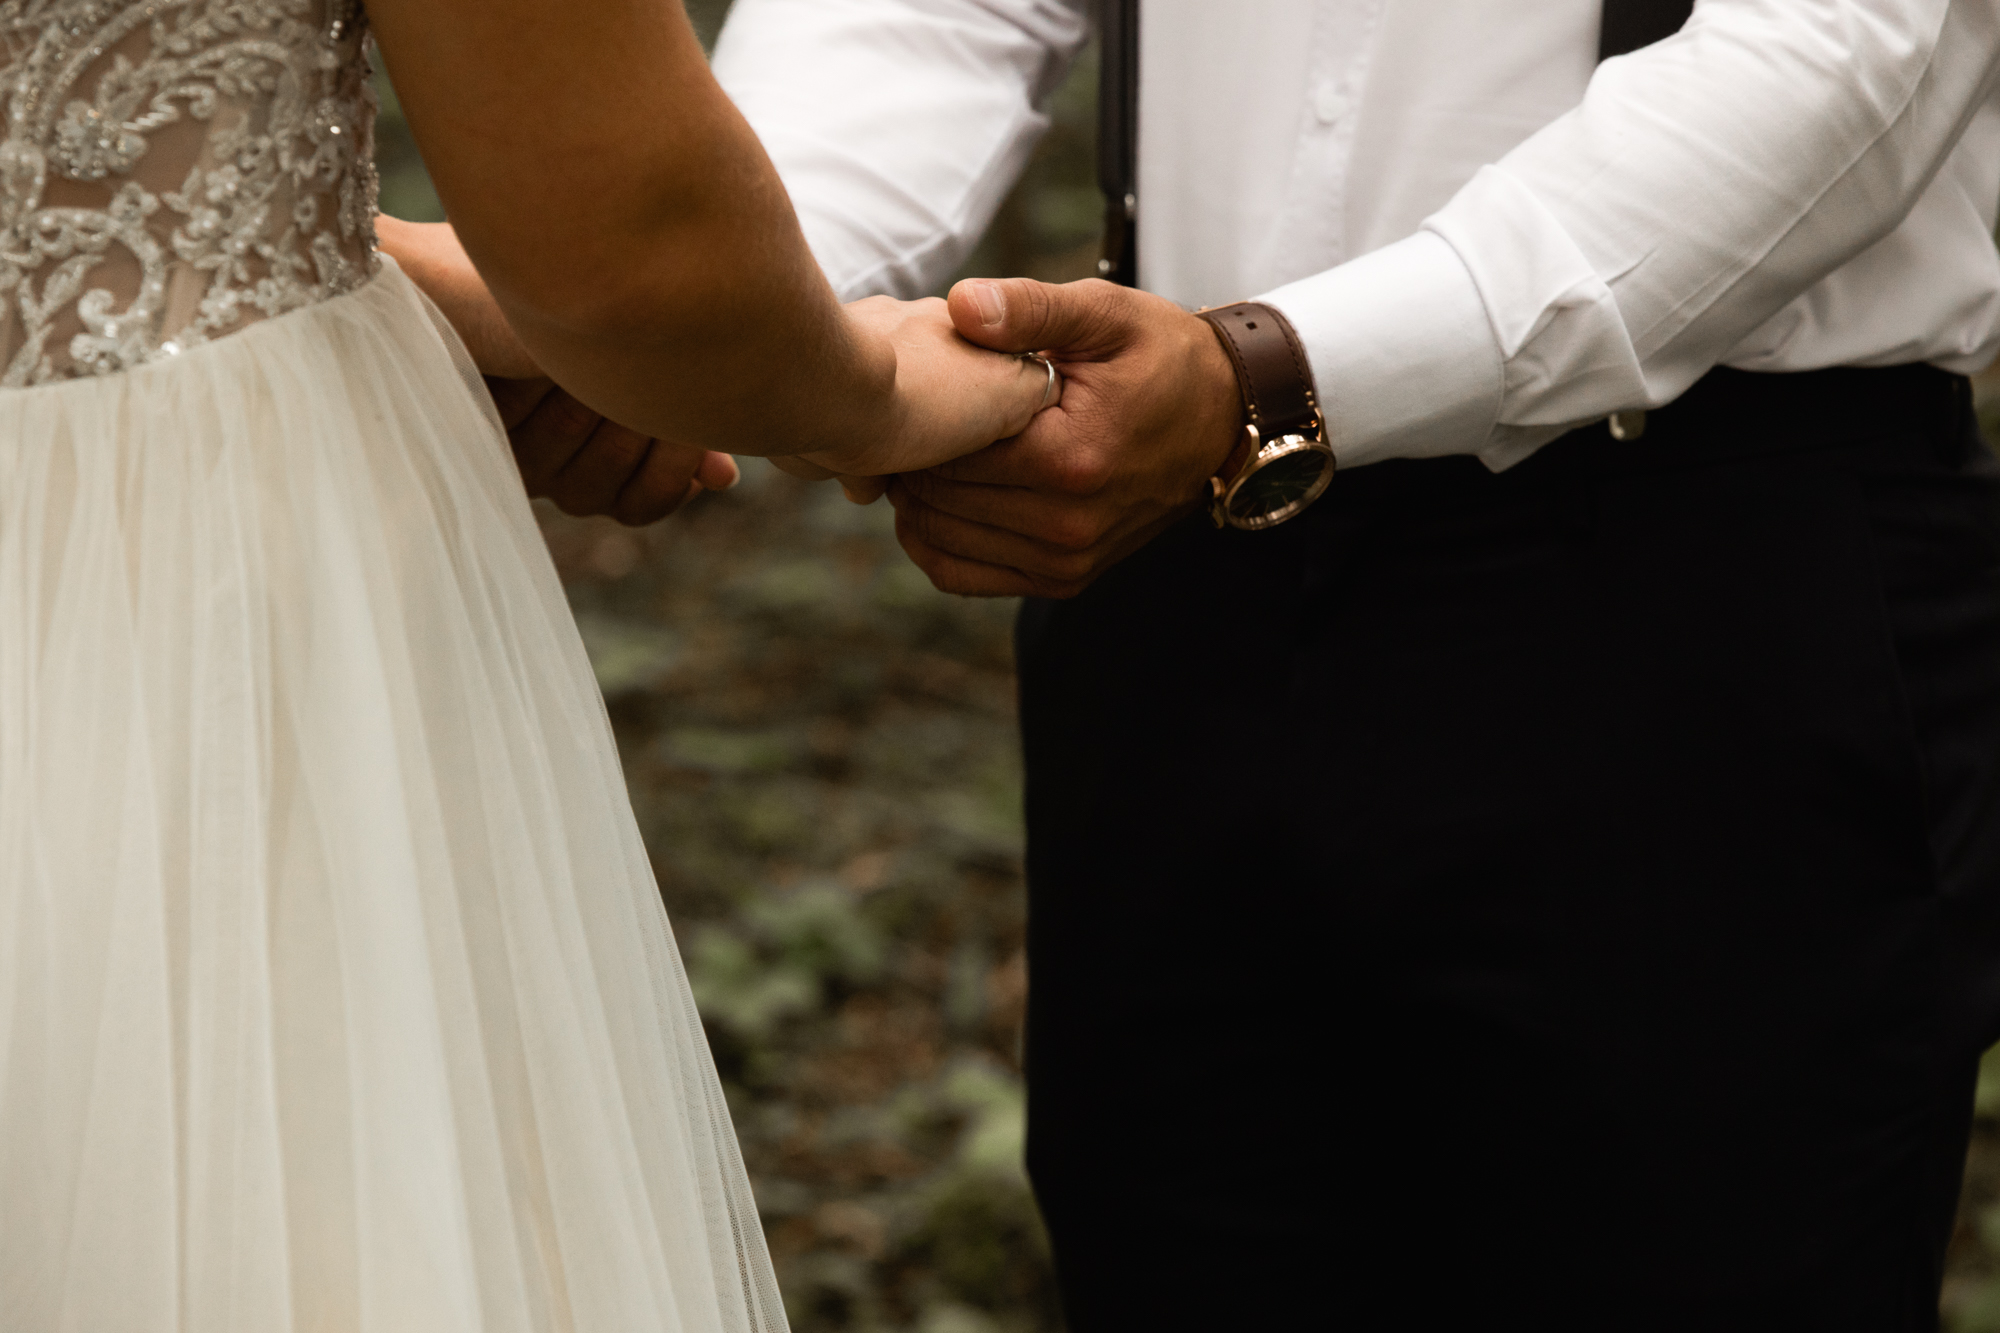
{"type": "Point", "coordinates": [1149, 410]}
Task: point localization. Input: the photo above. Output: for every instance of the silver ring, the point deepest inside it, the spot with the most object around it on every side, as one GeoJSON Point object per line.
{"type": "Point", "coordinates": [1049, 394]}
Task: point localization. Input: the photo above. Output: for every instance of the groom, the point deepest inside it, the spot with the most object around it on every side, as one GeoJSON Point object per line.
{"type": "Point", "coordinates": [1550, 874]}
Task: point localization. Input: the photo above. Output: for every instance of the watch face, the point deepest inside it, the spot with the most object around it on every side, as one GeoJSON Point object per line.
{"type": "Point", "coordinates": [1279, 487]}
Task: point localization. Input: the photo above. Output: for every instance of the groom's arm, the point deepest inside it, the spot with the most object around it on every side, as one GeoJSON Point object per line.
{"type": "Point", "coordinates": [898, 126]}
{"type": "Point", "coordinates": [1606, 263]}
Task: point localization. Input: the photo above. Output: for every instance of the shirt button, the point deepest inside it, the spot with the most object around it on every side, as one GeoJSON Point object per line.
{"type": "Point", "coordinates": [1328, 104]}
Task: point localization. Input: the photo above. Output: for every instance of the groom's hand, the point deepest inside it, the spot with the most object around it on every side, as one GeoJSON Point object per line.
{"type": "Point", "coordinates": [589, 464]}
{"type": "Point", "coordinates": [1149, 412]}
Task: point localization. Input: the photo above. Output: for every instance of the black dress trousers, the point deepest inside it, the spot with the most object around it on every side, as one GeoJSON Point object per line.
{"type": "Point", "coordinates": [1570, 895]}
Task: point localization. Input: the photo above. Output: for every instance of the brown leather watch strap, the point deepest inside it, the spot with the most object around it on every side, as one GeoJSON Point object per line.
{"type": "Point", "coordinates": [1271, 368]}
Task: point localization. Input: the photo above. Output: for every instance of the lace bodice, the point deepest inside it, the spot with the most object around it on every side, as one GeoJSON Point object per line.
{"type": "Point", "coordinates": [174, 170]}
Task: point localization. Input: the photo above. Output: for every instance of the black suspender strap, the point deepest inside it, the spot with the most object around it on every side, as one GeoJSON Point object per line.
{"type": "Point", "coordinates": [1118, 139]}
{"type": "Point", "coordinates": [1628, 25]}
{"type": "Point", "coordinates": [1631, 24]}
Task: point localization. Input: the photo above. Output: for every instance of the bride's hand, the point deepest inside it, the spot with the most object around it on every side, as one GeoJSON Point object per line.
{"type": "Point", "coordinates": [951, 397]}
{"type": "Point", "coordinates": [584, 462]}
{"type": "Point", "coordinates": [430, 254]}
{"type": "Point", "coordinates": [590, 465]}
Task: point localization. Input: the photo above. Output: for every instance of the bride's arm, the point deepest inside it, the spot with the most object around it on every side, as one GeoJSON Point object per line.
{"type": "Point", "coordinates": [430, 253]}
{"type": "Point", "coordinates": [566, 452]}
{"type": "Point", "coordinates": [641, 246]}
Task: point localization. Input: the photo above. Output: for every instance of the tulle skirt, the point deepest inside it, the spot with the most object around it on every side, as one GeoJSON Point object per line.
{"type": "Point", "coordinates": [335, 991]}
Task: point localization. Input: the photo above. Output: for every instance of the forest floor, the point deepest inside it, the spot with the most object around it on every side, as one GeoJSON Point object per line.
{"type": "Point", "coordinates": [821, 753]}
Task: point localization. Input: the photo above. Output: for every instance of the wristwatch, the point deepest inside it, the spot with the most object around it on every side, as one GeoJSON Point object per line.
{"type": "Point", "coordinates": [1283, 462]}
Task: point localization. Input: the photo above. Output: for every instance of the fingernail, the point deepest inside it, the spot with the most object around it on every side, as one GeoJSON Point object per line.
{"type": "Point", "coordinates": [735, 476]}
{"type": "Point", "coordinates": [992, 303]}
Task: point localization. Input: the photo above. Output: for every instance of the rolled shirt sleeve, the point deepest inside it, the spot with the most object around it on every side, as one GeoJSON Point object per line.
{"type": "Point", "coordinates": [897, 125]}
{"type": "Point", "coordinates": [1619, 254]}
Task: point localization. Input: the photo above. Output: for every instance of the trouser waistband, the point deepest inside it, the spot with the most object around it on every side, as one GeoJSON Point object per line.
{"type": "Point", "coordinates": [1728, 416]}
{"type": "Point", "coordinates": [1735, 414]}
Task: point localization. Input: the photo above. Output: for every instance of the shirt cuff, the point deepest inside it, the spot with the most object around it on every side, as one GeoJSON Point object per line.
{"type": "Point", "coordinates": [1403, 355]}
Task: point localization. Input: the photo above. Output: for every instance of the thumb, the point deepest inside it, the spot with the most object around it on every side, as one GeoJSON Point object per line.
{"type": "Point", "coordinates": [1023, 315]}
{"type": "Point", "coordinates": [865, 490]}
{"type": "Point", "coordinates": [717, 472]}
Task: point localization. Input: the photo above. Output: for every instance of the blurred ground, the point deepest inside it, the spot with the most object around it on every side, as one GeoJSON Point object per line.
{"type": "Point", "coordinates": [821, 753]}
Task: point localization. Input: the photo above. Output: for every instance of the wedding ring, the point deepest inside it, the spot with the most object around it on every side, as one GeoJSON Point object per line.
{"type": "Point", "coordinates": [1053, 393]}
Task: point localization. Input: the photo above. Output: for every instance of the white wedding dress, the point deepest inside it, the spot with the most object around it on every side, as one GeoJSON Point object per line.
{"type": "Point", "coordinates": [335, 991]}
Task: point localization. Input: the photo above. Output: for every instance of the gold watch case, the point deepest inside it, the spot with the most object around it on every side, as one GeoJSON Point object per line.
{"type": "Point", "coordinates": [1281, 478]}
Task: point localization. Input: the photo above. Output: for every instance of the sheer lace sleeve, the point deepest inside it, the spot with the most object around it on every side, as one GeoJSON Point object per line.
{"type": "Point", "coordinates": [174, 170]}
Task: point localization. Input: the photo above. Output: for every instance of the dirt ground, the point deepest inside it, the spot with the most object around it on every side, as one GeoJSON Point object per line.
{"type": "Point", "coordinates": [821, 753]}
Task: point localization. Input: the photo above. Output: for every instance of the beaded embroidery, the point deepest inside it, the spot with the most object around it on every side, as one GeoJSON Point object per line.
{"type": "Point", "coordinates": [173, 170]}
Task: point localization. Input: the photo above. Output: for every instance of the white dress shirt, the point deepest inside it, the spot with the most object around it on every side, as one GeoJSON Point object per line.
{"type": "Point", "coordinates": [1483, 237]}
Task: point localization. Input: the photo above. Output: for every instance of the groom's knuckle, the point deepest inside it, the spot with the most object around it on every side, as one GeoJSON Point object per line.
{"type": "Point", "coordinates": [923, 522]}
{"type": "Point", "coordinates": [1082, 472]}
{"type": "Point", "coordinates": [1071, 531]}
{"type": "Point", "coordinates": [1057, 587]}
{"type": "Point", "coordinates": [933, 566]}
{"type": "Point", "coordinates": [913, 537]}
{"type": "Point", "coordinates": [1079, 565]}
{"type": "Point", "coordinates": [947, 575]}
{"type": "Point", "coordinates": [1039, 300]}
{"type": "Point", "coordinates": [1106, 300]}
{"type": "Point", "coordinates": [1100, 295]}
{"type": "Point", "coordinates": [1062, 568]}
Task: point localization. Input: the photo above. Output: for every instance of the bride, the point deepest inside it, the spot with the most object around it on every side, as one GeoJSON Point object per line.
{"type": "Point", "coordinates": [335, 993]}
